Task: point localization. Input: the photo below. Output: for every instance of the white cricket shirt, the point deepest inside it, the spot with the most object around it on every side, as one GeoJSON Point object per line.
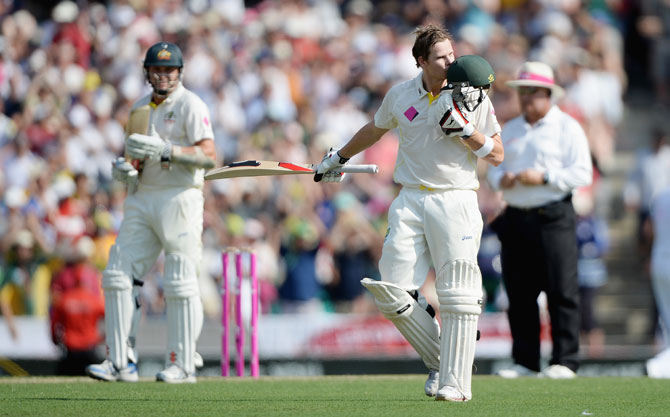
{"type": "Point", "coordinates": [426, 156]}
{"type": "Point", "coordinates": [555, 144]}
{"type": "Point", "coordinates": [183, 119]}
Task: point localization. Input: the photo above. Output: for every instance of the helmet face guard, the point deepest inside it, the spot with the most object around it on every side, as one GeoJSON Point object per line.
{"type": "Point", "coordinates": [153, 78]}
{"type": "Point", "coordinates": [469, 97]}
{"type": "Point", "coordinates": [469, 77]}
{"type": "Point", "coordinates": [163, 54]}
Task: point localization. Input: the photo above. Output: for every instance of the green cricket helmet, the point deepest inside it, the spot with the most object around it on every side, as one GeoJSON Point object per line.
{"type": "Point", "coordinates": [163, 54]}
{"type": "Point", "coordinates": [469, 76]}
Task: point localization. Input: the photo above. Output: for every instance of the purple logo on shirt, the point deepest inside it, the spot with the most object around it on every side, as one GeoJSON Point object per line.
{"type": "Point", "coordinates": [411, 113]}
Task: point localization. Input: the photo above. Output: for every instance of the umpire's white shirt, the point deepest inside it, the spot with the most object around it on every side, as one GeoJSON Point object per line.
{"type": "Point", "coordinates": [183, 119]}
{"type": "Point", "coordinates": [426, 157]}
{"type": "Point", "coordinates": [555, 144]}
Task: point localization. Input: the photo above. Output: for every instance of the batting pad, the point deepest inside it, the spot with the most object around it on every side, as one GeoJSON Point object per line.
{"type": "Point", "coordinates": [414, 323]}
{"type": "Point", "coordinates": [459, 290]}
{"type": "Point", "coordinates": [119, 308]}
{"type": "Point", "coordinates": [134, 324]}
{"type": "Point", "coordinates": [184, 311]}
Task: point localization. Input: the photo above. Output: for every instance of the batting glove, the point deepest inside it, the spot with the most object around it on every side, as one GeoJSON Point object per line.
{"type": "Point", "coordinates": [453, 122]}
{"type": "Point", "coordinates": [143, 147]}
{"type": "Point", "coordinates": [124, 171]}
{"type": "Point", "coordinates": [325, 171]}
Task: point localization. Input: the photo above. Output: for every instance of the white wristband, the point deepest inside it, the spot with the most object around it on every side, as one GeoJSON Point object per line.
{"type": "Point", "coordinates": [486, 148]}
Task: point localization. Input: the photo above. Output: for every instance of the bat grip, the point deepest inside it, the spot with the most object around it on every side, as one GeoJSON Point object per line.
{"type": "Point", "coordinates": [359, 169]}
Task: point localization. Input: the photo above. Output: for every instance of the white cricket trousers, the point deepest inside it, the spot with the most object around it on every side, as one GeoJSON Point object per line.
{"type": "Point", "coordinates": [153, 220]}
{"type": "Point", "coordinates": [429, 228]}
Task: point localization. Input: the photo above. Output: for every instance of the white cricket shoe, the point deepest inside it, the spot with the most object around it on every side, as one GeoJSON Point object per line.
{"type": "Point", "coordinates": [659, 365]}
{"type": "Point", "coordinates": [175, 375]}
{"type": "Point", "coordinates": [558, 372]}
{"type": "Point", "coordinates": [516, 371]}
{"type": "Point", "coordinates": [106, 371]}
{"type": "Point", "coordinates": [447, 393]}
{"type": "Point", "coordinates": [198, 362]}
{"type": "Point", "coordinates": [432, 383]}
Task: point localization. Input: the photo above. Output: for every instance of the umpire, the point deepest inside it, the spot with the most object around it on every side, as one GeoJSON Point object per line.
{"type": "Point", "coordinates": [546, 157]}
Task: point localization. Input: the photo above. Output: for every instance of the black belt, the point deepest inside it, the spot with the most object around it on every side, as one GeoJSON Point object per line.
{"type": "Point", "coordinates": [539, 209]}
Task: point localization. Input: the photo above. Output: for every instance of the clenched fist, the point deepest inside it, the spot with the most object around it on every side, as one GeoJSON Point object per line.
{"type": "Point", "coordinates": [453, 122]}
{"type": "Point", "coordinates": [326, 171]}
{"type": "Point", "coordinates": [124, 171]}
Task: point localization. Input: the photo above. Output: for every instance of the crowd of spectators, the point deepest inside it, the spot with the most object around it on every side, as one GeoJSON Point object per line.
{"type": "Point", "coordinates": [284, 80]}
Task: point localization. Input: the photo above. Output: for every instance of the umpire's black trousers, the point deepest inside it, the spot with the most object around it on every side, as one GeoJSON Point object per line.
{"type": "Point", "coordinates": [539, 253]}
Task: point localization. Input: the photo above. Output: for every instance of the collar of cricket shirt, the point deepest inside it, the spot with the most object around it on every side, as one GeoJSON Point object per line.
{"type": "Point", "coordinates": [418, 85]}
{"type": "Point", "coordinates": [175, 94]}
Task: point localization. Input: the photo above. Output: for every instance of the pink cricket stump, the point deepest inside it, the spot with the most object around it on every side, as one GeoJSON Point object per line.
{"type": "Point", "coordinates": [239, 338]}
{"type": "Point", "coordinates": [254, 315]}
{"type": "Point", "coordinates": [225, 307]}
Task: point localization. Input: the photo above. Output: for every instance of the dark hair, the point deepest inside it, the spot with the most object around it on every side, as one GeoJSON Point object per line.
{"type": "Point", "coordinates": [426, 37]}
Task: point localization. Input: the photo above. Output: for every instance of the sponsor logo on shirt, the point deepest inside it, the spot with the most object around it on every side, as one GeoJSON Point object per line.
{"type": "Point", "coordinates": [170, 117]}
{"type": "Point", "coordinates": [469, 237]}
{"type": "Point", "coordinates": [411, 113]}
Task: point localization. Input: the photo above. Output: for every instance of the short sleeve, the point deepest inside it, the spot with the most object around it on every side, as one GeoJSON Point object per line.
{"type": "Point", "coordinates": [199, 123]}
{"type": "Point", "coordinates": [489, 125]}
{"type": "Point", "coordinates": [384, 117]}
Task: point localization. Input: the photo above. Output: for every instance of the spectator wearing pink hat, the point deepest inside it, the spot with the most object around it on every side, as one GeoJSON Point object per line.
{"type": "Point", "coordinates": [546, 158]}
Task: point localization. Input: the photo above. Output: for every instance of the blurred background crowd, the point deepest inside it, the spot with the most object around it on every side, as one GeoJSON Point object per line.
{"type": "Point", "coordinates": [286, 80]}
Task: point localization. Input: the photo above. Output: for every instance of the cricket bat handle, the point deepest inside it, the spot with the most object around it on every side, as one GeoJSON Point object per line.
{"type": "Point", "coordinates": [359, 169]}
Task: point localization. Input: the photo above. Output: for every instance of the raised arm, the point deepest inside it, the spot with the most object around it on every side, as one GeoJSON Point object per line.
{"type": "Point", "coordinates": [477, 140]}
{"type": "Point", "coordinates": [366, 136]}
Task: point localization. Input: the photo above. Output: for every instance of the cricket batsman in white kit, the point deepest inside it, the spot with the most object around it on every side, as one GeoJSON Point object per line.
{"type": "Point", "coordinates": [445, 121]}
{"type": "Point", "coordinates": [163, 211]}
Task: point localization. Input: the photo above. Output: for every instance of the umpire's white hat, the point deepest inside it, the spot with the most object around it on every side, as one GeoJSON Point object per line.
{"type": "Point", "coordinates": [537, 74]}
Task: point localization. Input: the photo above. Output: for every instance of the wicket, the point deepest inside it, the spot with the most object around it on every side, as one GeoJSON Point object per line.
{"type": "Point", "coordinates": [239, 320]}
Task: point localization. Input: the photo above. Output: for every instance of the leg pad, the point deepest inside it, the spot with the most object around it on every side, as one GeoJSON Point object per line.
{"type": "Point", "coordinates": [417, 326]}
{"type": "Point", "coordinates": [459, 290]}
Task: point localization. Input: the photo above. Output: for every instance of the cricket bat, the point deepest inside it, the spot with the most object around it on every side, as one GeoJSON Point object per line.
{"type": "Point", "coordinates": [138, 122]}
{"type": "Point", "coordinates": [252, 168]}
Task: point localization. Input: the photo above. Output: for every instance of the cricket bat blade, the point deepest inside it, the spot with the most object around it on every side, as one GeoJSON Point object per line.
{"type": "Point", "coordinates": [253, 168]}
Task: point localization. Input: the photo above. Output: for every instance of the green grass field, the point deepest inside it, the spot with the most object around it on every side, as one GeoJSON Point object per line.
{"type": "Point", "coordinates": [382, 396]}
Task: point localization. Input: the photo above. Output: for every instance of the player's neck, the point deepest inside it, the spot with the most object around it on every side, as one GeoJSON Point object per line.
{"type": "Point", "coordinates": [434, 86]}
{"type": "Point", "coordinates": [156, 99]}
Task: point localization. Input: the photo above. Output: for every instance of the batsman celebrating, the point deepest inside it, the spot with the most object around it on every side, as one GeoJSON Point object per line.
{"type": "Point", "coordinates": [445, 121]}
{"type": "Point", "coordinates": [163, 211]}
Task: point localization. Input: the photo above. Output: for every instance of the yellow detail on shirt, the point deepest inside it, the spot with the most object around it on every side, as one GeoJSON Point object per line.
{"type": "Point", "coordinates": [432, 98]}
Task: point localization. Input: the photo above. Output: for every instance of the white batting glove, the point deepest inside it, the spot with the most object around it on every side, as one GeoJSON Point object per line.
{"type": "Point", "coordinates": [331, 162]}
{"type": "Point", "coordinates": [453, 122]}
{"type": "Point", "coordinates": [439, 107]}
{"type": "Point", "coordinates": [143, 147]}
{"type": "Point", "coordinates": [124, 171]}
